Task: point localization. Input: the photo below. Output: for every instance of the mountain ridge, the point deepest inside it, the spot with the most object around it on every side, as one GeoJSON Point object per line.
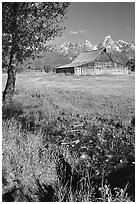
{"type": "Point", "coordinates": [119, 51]}
{"type": "Point", "coordinates": [72, 50]}
{"type": "Point", "coordinates": [48, 61]}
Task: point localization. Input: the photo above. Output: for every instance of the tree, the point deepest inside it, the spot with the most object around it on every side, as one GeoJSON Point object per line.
{"type": "Point", "coordinates": [131, 64]}
{"type": "Point", "coordinates": [26, 28]}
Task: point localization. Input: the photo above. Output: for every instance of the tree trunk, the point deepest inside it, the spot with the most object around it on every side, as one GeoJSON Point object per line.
{"type": "Point", "coordinates": [10, 85]}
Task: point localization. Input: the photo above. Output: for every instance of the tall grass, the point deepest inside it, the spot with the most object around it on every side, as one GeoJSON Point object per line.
{"type": "Point", "coordinates": [43, 122]}
{"type": "Point", "coordinates": [34, 153]}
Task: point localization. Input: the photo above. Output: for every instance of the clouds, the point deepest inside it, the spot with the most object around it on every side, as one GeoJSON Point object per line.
{"type": "Point", "coordinates": [83, 31]}
{"type": "Point", "coordinates": [73, 32]}
{"type": "Point", "coordinates": [77, 32]}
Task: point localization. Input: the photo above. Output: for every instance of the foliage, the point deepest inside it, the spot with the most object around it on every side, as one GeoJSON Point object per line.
{"type": "Point", "coordinates": [31, 26]}
{"type": "Point", "coordinates": [27, 26]}
{"type": "Point", "coordinates": [49, 68]}
{"type": "Point", "coordinates": [5, 50]}
{"type": "Point", "coordinates": [131, 65]}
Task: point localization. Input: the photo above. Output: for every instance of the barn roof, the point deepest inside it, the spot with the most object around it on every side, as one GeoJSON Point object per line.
{"type": "Point", "coordinates": [83, 58]}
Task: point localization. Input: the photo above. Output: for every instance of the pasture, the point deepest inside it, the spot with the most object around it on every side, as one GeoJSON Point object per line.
{"type": "Point", "coordinates": [108, 96]}
{"type": "Point", "coordinates": [49, 110]}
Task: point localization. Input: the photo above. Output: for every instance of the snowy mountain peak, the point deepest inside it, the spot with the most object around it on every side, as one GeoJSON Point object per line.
{"type": "Point", "coordinates": [87, 42]}
{"type": "Point", "coordinates": [132, 45]}
{"type": "Point", "coordinates": [108, 37]}
{"type": "Point", "coordinates": [124, 45]}
{"type": "Point", "coordinates": [122, 41]}
{"type": "Point", "coordinates": [108, 43]}
{"type": "Point", "coordinates": [72, 49]}
{"type": "Point", "coordinates": [87, 45]}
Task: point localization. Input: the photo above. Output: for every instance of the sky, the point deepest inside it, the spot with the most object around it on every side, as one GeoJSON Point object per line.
{"type": "Point", "coordinates": [93, 21]}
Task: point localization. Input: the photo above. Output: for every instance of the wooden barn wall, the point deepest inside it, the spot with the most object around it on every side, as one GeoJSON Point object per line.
{"type": "Point", "coordinates": [101, 70]}
{"type": "Point", "coordinates": [87, 69]}
{"type": "Point", "coordinates": [103, 64]}
{"type": "Point", "coordinates": [65, 70]}
{"type": "Point", "coordinates": [116, 70]}
{"type": "Point", "coordinates": [78, 70]}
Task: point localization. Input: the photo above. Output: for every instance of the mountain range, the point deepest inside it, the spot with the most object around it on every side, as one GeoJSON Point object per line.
{"type": "Point", "coordinates": [118, 48]}
{"type": "Point", "coordinates": [119, 51]}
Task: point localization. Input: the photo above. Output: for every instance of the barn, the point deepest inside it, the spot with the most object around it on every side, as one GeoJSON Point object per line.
{"type": "Point", "coordinates": [94, 62]}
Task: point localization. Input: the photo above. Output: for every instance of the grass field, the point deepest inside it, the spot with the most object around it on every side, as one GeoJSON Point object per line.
{"type": "Point", "coordinates": [109, 96]}
{"type": "Point", "coordinates": [51, 108]}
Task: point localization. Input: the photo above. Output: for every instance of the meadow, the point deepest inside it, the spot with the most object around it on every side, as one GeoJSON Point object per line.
{"type": "Point", "coordinates": [51, 110]}
{"type": "Point", "coordinates": [109, 96]}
